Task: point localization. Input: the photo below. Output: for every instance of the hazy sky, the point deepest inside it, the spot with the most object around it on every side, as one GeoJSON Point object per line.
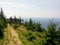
{"type": "Point", "coordinates": [31, 8]}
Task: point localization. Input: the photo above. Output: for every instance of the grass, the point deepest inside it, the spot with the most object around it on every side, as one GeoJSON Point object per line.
{"type": "Point", "coordinates": [25, 35]}
{"type": "Point", "coordinates": [5, 37]}
{"type": "Point", "coordinates": [23, 38]}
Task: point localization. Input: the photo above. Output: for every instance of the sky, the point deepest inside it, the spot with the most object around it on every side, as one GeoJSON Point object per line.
{"type": "Point", "coordinates": [31, 8]}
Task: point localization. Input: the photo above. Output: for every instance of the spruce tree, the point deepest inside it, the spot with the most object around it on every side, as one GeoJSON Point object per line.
{"type": "Point", "coordinates": [3, 23]}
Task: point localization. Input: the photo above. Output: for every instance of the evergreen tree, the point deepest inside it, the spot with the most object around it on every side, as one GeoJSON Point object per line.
{"type": "Point", "coordinates": [20, 20]}
{"type": "Point", "coordinates": [15, 19]}
{"type": "Point", "coordinates": [30, 21]}
{"type": "Point", "coordinates": [3, 24]}
{"type": "Point", "coordinates": [51, 35]}
{"type": "Point", "coordinates": [10, 20]}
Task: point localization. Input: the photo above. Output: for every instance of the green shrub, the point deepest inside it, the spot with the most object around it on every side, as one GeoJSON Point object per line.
{"type": "Point", "coordinates": [31, 37]}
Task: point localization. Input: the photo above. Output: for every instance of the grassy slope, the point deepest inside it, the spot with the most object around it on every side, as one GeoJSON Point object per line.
{"type": "Point", "coordinates": [24, 35]}
{"type": "Point", "coordinates": [21, 32]}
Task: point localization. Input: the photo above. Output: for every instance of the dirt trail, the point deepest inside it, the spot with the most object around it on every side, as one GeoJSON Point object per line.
{"type": "Point", "coordinates": [13, 38]}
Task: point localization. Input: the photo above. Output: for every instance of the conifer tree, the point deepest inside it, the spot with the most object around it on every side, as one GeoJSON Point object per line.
{"type": "Point", "coordinates": [3, 23]}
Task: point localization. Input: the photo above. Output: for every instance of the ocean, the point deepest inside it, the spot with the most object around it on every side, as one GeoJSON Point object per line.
{"type": "Point", "coordinates": [45, 21]}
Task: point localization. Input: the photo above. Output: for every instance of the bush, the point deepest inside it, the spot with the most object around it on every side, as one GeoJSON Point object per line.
{"type": "Point", "coordinates": [31, 37]}
{"type": "Point", "coordinates": [15, 26]}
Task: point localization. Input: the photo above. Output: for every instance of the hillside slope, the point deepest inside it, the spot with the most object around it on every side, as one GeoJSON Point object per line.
{"type": "Point", "coordinates": [12, 37]}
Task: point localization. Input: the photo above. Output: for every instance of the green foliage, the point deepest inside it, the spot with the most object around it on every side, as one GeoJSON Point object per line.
{"type": "Point", "coordinates": [15, 20]}
{"type": "Point", "coordinates": [30, 36]}
{"type": "Point", "coordinates": [2, 26]}
{"type": "Point", "coordinates": [15, 26]}
{"type": "Point", "coordinates": [51, 34]}
{"type": "Point", "coordinates": [51, 27]}
{"type": "Point", "coordinates": [33, 26]}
